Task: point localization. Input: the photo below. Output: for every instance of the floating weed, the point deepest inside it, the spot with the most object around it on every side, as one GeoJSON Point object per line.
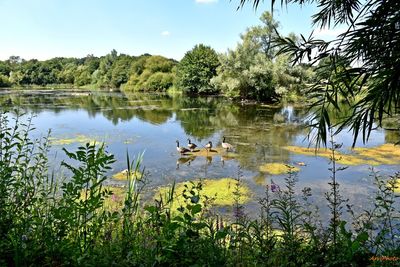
{"type": "Point", "coordinates": [115, 201]}
{"type": "Point", "coordinates": [345, 159]}
{"type": "Point", "coordinates": [386, 153]}
{"type": "Point", "coordinates": [220, 190]}
{"type": "Point", "coordinates": [122, 175]}
{"type": "Point", "coordinates": [396, 187]}
{"type": "Point", "coordinates": [79, 138]}
{"type": "Point", "coordinates": [278, 168]}
{"type": "Point", "coordinates": [259, 179]}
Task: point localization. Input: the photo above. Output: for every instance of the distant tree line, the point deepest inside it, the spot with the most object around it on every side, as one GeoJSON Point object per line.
{"type": "Point", "coordinates": [145, 72]}
{"type": "Point", "coordinates": [253, 70]}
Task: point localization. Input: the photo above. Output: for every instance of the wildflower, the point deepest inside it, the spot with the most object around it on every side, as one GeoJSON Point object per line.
{"type": "Point", "coordinates": [275, 188]}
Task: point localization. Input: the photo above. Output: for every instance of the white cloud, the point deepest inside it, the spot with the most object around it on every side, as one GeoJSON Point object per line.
{"type": "Point", "coordinates": [206, 1]}
{"type": "Point", "coordinates": [165, 33]}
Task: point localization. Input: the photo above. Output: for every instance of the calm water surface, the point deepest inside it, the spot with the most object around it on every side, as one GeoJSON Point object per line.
{"type": "Point", "coordinates": [151, 123]}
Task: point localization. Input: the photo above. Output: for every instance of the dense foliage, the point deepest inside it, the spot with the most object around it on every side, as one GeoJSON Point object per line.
{"type": "Point", "coordinates": [254, 70]}
{"type": "Point", "coordinates": [47, 220]}
{"type": "Point", "coordinates": [151, 73]}
{"type": "Point", "coordinates": [113, 70]}
{"type": "Point", "coordinates": [196, 69]}
{"type": "Point", "coordinates": [364, 61]}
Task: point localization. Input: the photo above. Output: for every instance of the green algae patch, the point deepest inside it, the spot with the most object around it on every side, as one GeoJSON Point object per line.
{"type": "Point", "coordinates": [80, 138]}
{"type": "Point", "coordinates": [222, 191]}
{"type": "Point", "coordinates": [278, 168]}
{"type": "Point", "coordinates": [260, 179]}
{"type": "Point", "coordinates": [385, 154]}
{"type": "Point", "coordinates": [115, 201]}
{"type": "Point", "coordinates": [217, 151]}
{"type": "Point", "coordinates": [397, 186]}
{"type": "Point", "coordinates": [123, 175]}
{"type": "Point", "coordinates": [345, 159]}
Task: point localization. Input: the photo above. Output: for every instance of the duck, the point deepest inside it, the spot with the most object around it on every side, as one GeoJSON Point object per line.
{"type": "Point", "coordinates": [191, 145]}
{"type": "Point", "coordinates": [180, 149]}
{"type": "Point", "coordinates": [225, 145]}
{"type": "Point", "coordinates": [208, 146]}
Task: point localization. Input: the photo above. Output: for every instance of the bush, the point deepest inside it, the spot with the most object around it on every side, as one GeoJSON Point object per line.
{"type": "Point", "coordinates": [4, 81]}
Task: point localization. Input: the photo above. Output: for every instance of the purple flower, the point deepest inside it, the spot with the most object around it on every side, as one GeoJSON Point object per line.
{"type": "Point", "coordinates": [275, 188]}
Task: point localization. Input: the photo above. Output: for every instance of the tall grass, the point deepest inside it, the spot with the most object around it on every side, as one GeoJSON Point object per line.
{"type": "Point", "coordinates": [50, 220]}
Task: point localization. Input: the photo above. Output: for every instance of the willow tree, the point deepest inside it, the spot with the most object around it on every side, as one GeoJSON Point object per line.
{"type": "Point", "coordinates": [363, 62]}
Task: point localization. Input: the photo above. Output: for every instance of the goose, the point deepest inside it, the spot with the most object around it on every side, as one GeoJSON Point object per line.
{"type": "Point", "coordinates": [209, 146]}
{"type": "Point", "coordinates": [181, 150]}
{"type": "Point", "coordinates": [225, 145]}
{"type": "Point", "coordinates": [191, 145]}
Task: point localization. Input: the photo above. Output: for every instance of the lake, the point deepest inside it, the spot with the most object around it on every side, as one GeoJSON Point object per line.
{"type": "Point", "coordinates": [152, 123]}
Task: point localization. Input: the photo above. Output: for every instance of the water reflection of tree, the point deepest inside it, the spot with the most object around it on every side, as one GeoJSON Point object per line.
{"type": "Point", "coordinates": [249, 127]}
{"type": "Point", "coordinates": [196, 116]}
{"type": "Point", "coordinates": [114, 106]}
{"type": "Point", "coordinates": [392, 136]}
{"type": "Point", "coordinates": [256, 137]}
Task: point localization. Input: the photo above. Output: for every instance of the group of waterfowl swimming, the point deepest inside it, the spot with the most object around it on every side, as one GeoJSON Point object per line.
{"type": "Point", "coordinates": [192, 146]}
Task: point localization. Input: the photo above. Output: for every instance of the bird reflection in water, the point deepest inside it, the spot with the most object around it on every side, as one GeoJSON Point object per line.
{"type": "Point", "coordinates": [184, 160]}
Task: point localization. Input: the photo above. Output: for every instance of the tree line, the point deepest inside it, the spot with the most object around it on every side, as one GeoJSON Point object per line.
{"type": "Point", "coordinates": [110, 71]}
{"type": "Point", "coordinates": [253, 70]}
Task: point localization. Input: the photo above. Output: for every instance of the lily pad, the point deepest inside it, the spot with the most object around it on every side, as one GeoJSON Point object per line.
{"type": "Point", "coordinates": [278, 168]}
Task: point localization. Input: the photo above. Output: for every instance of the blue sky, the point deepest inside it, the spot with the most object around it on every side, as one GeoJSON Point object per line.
{"type": "Point", "coordinates": [44, 29]}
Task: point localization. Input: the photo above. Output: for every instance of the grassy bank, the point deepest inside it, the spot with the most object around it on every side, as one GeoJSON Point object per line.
{"type": "Point", "coordinates": [48, 219]}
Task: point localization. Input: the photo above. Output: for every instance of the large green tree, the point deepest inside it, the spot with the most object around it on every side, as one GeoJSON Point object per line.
{"type": "Point", "coordinates": [196, 69]}
{"type": "Point", "coordinates": [364, 61]}
{"type": "Point", "coordinates": [254, 70]}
